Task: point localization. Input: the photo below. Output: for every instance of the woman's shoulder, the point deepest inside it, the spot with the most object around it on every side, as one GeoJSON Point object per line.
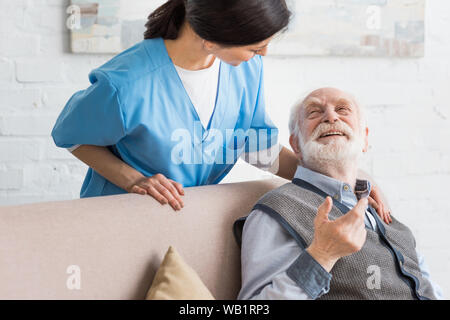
{"type": "Point", "coordinates": [138, 63]}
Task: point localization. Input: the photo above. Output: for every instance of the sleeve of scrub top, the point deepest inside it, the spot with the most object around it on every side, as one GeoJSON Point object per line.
{"type": "Point", "coordinates": [262, 148]}
{"type": "Point", "coordinates": [266, 160]}
{"type": "Point", "coordinates": [92, 116]}
{"type": "Point", "coordinates": [263, 134]}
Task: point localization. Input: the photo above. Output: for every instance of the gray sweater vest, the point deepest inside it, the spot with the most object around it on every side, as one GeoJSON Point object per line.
{"type": "Point", "coordinates": [390, 249]}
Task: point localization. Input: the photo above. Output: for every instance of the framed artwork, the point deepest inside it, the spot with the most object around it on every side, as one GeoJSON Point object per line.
{"type": "Point", "coordinates": [108, 26]}
{"type": "Point", "coordinates": [380, 28]}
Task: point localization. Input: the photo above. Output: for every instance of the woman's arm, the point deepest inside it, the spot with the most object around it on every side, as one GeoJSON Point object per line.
{"type": "Point", "coordinates": [105, 163]}
{"type": "Point", "coordinates": [287, 164]}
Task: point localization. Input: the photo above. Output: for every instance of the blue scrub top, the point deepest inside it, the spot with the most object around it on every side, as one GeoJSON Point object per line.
{"type": "Point", "coordinates": [138, 108]}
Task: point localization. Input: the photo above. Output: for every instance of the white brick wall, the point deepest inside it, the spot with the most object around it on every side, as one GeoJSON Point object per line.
{"type": "Point", "coordinates": [38, 74]}
{"type": "Point", "coordinates": [407, 105]}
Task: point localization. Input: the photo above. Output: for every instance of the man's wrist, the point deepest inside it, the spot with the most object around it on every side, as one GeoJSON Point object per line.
{"type": "Point", "coordinates": [322, 258]}
{"type": "Point", "coordinates": [309, 275]}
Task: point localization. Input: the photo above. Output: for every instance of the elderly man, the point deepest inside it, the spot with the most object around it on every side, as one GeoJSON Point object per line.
{"type": "Point", "coordinates": [316, 237]}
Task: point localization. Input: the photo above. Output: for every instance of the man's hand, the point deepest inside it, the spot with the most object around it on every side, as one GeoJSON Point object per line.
{"type": "Point", "coordinates": [339, 238]}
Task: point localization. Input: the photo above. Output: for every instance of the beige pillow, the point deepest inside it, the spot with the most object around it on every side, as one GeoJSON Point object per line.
{"type": "Point", "coordinates": [175, 280]}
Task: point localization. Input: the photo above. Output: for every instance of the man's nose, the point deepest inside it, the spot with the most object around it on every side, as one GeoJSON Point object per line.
{"type": "Point", "coordinates": [330, 116]}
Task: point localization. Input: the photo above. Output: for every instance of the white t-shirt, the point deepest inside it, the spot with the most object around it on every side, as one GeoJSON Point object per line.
{"type": "Point", "coordinates": [201, 86]}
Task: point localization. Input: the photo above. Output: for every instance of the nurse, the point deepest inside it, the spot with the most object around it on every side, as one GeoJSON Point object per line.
{"type": "Point", "coordinates": [179, 108]}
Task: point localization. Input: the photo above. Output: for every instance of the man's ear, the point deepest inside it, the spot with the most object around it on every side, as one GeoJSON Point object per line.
{"type": "Point", "coordinates": [366, 140]}
{"type": "Point", "coordinates": [293, 141]}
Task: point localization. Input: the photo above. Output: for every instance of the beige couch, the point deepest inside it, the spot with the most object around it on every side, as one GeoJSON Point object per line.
{"type": "Point", "coordinates": [119, 241]}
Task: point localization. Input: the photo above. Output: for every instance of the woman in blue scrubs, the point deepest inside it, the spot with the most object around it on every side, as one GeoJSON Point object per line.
{"type": "Point", "coordinates": [136, 126]}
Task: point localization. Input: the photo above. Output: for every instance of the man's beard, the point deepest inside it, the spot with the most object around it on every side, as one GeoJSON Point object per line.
{"type": "Point", "coordinates": [339, 152]}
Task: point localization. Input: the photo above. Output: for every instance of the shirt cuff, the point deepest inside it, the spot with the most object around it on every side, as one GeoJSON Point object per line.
{"type": "Point", "coordinates": [309, 275]}
{"type": "Point", "coordinates": [266, 159]}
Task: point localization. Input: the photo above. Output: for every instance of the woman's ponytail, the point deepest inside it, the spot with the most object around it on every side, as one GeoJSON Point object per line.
{"type": "Point", "coordinates": [166, 21]}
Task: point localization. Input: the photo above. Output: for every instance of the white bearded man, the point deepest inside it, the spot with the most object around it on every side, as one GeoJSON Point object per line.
{"type": "Point", "coordinates": [316, 237]}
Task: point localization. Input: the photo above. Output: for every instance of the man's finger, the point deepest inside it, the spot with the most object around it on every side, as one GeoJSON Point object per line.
{"type": "Point", "coordinates": [324, 209]}
{"type": "Point", "coordinates": [358, 211]}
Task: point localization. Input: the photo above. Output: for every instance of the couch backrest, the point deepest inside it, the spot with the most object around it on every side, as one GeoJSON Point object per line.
{"type": "Point", "coordinates": [118, 242]}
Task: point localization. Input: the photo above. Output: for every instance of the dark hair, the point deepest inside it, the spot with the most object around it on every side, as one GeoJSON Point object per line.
{"type": "Point", "coordinates": [226, 22]}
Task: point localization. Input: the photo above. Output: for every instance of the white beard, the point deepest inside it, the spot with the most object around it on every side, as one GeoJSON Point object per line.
{"type": "Point", "coordinates": [338, 153]}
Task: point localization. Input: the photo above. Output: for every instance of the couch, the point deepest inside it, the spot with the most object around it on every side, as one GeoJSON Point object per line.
{"type": "Point", "coordinates": [117, 242]}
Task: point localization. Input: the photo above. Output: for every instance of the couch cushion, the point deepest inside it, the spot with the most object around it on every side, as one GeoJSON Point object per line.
{"type": "Point", "coordinates": [117, 243]}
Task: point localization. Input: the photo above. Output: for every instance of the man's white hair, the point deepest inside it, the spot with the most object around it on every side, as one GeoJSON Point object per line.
{"type": "Point", "coordinates": [294, 118]}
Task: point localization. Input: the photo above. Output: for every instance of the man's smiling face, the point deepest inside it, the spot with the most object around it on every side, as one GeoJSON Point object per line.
{"type": "Point", "coordinates": [330, 128]}
{"type": "Point", "coordinates": [328, 115]}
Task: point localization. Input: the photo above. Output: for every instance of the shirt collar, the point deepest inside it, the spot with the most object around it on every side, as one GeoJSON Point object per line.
{"type": "Point", "coordinates": [339, 190]}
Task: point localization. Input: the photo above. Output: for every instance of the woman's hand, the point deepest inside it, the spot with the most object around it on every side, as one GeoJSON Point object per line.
{"type": "Point", "coordinates": [113, 169]}
{"type": "Point", "coordinates": [376, 198]}
{"type": "Point", "coordinates": [376, 202]}
{"type": "Point", "coordinates": [162, 189]}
